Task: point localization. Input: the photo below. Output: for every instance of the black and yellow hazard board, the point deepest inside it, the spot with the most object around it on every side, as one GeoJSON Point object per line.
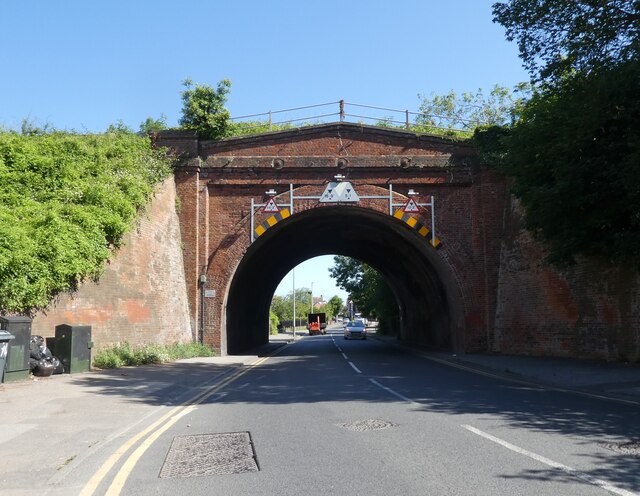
{"type": "Point", "coordinates": [422, 230]}
{"type": "Point", "coordinates": [272, 221]}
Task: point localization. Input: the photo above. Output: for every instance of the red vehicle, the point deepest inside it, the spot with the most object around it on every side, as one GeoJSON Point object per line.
{"type": "Point", "coordinates": [317, 323]}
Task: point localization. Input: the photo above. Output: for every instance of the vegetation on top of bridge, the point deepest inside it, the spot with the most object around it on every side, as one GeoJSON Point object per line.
{"type": "Point", "coordinates": [66, 200]}
{"type": "Point", "coordinates": [449, 115]}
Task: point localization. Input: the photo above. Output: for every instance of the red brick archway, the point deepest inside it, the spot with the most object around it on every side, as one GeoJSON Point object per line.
{"type": "Point", "coordinates": [447, 297]}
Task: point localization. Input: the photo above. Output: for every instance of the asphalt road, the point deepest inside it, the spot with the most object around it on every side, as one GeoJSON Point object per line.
{"type": "Point", "coordinates": [329, 416]}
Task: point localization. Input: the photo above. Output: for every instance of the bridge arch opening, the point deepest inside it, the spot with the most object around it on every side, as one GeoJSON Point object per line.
{"type": "Point", "coordinates": [429, 301]}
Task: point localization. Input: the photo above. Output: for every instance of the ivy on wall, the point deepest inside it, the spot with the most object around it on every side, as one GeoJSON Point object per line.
{"type": "Point", "coordinates": [66, 200]}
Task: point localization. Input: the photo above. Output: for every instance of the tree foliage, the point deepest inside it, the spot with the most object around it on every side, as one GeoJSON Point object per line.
{"type": "Point", "coordinates": [203, 109]}
{"type": "Point", "coordinates": [367, 289]}
{"type": "Point", "coordinates": [575, 158]}
{"type": "Point", "coordinates": [282, 306]}
{"type": "Point", "coordinates": [150, 125]}
{"type": "Point", "coordinates": [470, 110]}
{"type": "Point", "coordinates": [574, 151]}
{"type": "Point", "coordinates": [335, 305]}
{"type": "Point", "coordinates": [65, 200]}
{"type": "Point", "coordinates": [560, 37]}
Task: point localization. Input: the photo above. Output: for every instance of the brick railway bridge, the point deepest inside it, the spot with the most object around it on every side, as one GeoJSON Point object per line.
{"type": "Point", "coordinates": [446, 296]}
{"type": "Point", "coordinates": [210, 272]}
{"type": "Point", "coordinates": [485, 288]}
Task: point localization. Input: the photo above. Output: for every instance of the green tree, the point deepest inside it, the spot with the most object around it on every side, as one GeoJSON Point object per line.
{"type": "Point", "coordinates": [335, 304]}
{"type": "Point", "coordinates": [274, 322]}
{"type": "Point", "coordinates": [560, 37]}
{"type": "Point", "coordinates": [151, 125]}
{"type": "Point", "coordinates": [282, 308]}
{"type": "Point", "coordinates": [368, 290]}
{"type": "Point", "coordinates": [470, 110]}
{"type": "Point", "coordinates": [203, 109]}
{"type": "Point", "coordinates": [574, 151]}
{"type": "Point", "coordinates": [575, 159]}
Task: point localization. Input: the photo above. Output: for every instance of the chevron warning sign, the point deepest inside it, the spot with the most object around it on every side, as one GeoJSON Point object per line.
{"type": "Point", "coordinates": [422, 230]}
{"type": "Point", "coordinates": [272, 221]}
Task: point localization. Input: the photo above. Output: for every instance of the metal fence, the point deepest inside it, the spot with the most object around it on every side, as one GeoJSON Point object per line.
{"type": "Point", "coordinates": [344, 112]}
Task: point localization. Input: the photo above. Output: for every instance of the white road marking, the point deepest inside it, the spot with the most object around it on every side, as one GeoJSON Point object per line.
{"type": "Point", "coordinates": [345, 356]}
{"type": "Point", "coordinates": [355, 368]}
{"type": "Point", "coordinates": [571, 471]}
{"type": "Point", "coordinates": [391, 391]}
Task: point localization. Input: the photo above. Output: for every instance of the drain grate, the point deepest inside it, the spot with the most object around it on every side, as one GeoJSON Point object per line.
{"type": "Point", "coordinates": [210, 454]}
{"type": "Point", "coordinates": [367, 425]}
{"type": "Point", "coordinates": [632, 448]}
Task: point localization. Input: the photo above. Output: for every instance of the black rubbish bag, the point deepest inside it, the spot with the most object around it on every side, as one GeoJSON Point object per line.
{"type": "Point", "coordinates": [43, 368]}
{"type": "Point", "coordinates": [41, 362]}
{"type": "Point", "coordinates": [58, 368]}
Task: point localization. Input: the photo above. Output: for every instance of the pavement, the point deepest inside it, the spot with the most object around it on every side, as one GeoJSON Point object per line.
{"type": "Point", "coordinates": [50, 425]}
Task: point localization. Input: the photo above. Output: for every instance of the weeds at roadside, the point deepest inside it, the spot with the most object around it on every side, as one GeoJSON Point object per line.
{"type": "Point", "coordinates": [123, 355]}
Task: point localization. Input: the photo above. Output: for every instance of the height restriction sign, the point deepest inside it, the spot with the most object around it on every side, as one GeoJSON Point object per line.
{"type": "Point", "coordinates": [411, 206]}
{"type": "Point", "coordinates": [271, 206]}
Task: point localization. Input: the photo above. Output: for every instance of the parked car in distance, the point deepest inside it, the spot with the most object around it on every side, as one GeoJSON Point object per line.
{"type": "Point", "coordinates": [355, 330]}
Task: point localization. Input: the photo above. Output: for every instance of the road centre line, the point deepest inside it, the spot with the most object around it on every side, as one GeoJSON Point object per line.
{"type": "Point", "coordinates": [355, 368]}
{"type": "Point", "coordinates": [345, 356]}
{"type": "Point", "coordinates": [170, 418]}
{"type": "Point", "coordinates": [391, 391]}
{"type": "Point", "coordinates": [546, 461]}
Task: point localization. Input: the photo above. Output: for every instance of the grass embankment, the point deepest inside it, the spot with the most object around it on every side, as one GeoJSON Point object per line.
{"type": "Point", "coordinates": [125, 355]}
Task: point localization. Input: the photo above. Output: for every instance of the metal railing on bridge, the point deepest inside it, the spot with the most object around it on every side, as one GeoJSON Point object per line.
{"type": "Point", "coordinates": [351, 112]}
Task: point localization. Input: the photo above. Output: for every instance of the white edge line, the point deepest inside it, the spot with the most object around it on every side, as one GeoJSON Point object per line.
{"type": "Point", "coordinates": [571, 471]}
{"type": "Point", "coordinates": [355, 368]}
{"type": "Point", "coordinates": [391, 391]}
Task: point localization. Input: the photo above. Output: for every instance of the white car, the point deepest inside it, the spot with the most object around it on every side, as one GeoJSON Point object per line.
{"type": "Point", "coordinates": [355, 330]}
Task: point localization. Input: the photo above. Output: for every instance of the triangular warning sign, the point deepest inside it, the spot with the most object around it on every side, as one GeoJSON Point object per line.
{"type": "Point", "coordinates": [411, 206]}
{"type": "Point", "coordinates": [339, 192]}
{"type": "Point", "coordinates": [271, 206]}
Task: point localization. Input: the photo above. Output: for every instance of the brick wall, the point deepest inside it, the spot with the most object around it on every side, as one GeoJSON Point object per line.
{"type": "Point", "coordinates": [141, 297]}
{"type": "Point", "coordinates": [586, 311]}
{"type": "Point", "coordinates": [509, 301]}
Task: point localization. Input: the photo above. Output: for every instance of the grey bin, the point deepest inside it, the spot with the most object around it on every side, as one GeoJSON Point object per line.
{"type": "Point", "coordinates": [17, 360]}
{"type": "Point", "coordinates": [73, 347]}
{"type": "Point", "coordinates": [5, 337]}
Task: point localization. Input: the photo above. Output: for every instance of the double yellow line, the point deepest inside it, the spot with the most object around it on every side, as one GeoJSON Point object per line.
{"type": "Point", "coordinates": [154, 431]}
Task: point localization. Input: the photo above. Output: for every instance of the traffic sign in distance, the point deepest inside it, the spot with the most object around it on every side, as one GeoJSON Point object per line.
{"type": "Point", "coordinates": [411, 206]}
{"type": "Point", "coordinates": [271, 206]}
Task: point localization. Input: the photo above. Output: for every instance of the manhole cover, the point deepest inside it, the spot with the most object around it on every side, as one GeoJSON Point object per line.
{"type": "Point", "coordinates": [210, 454]}
{"type": "Point", "coordinates": [632, 448]}
{"type": "Point", "coordinates": [367, 425]}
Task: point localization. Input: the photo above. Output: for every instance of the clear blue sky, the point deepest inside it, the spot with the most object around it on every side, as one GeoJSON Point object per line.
{"type": "Point", "coordinates": [82, 65]}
